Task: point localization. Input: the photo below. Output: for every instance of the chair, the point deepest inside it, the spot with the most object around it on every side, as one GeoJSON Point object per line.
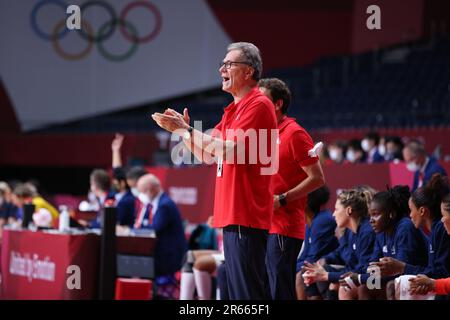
{"type": "Point", "coordinates": [133, 289]}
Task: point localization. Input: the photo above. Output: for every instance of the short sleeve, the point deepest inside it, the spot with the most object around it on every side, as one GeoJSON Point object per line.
{"type": "Point", "coordinates": [299, 146]}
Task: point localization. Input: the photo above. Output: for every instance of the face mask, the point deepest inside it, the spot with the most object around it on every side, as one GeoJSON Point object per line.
{"type": "Point", "coordinates": [351, 156]}
{"type": "Point", "coordinates": [412, 166]}
{"type": "Point", "coordinates": [145, 199]}
{"type": "Point", "coordinates": [365, 145]}
{"type": "Point", "coordinates": [334, 155]}
{"type": "Point", "coordinates": [135, 192]}
{"type": "Point", "coordinates": [382, 149]}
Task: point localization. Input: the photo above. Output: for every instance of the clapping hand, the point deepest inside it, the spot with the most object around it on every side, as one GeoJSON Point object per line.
{"type": "Point", "coordinates": [171, 120]}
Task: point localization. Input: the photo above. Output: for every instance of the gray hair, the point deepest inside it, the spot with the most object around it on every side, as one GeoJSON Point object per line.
{"type": "Point", "coordinates": [154, 181]}
{"type": "Point", "coordinates": [251, 55]}
{"type": "Point", "coordinates": [149, 180]}
{"type": "Point", "coordinates": [416, 148]}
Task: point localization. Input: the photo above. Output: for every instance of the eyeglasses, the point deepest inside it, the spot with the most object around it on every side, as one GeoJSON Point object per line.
{"type": "Point", "coordinates": [228, 64]}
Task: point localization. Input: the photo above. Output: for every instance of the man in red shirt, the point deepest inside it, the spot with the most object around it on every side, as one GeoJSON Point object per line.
{"type": "Point", "coordinates": [243, 144]}
{"type": "Point", "coordinates": [299, 173]}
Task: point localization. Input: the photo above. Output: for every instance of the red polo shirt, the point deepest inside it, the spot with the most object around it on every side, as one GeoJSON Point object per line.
{"type": "Point", "coordinates": [294, 144]}
{"type": "Point", "coordinates": [243, 196]}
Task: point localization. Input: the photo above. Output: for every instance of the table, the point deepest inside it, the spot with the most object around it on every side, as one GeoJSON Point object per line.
{"type": "Point", "coordinates": [35, 264]}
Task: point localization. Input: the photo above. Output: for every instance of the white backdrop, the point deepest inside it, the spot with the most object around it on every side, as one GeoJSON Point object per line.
{"type": "Point", "coordinates": [46, 88]}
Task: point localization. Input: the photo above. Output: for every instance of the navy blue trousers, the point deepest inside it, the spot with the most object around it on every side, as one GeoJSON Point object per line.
{"type": "Point", "coordinates": [222, 282]}
{"type": "Point", "coordinates": [245, 252]}
{"type": "Point", "coordinates": [281, 261]}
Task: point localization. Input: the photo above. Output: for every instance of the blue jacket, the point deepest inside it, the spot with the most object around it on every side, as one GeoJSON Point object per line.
{"type": "Point", "coordinates": [356, 253]}
{"type": "Point", "coordinates": [126, 210]}
{"type": "Point", "coordinates": [406, 243]}
{"type": "Point", "coordinates": [438, 254]}
{"type": "Point", "coordinates": [342, 253]}
{"type": "Point", "coordinates": [320, 238]}
{"type": "Point", "coordinates": [377, 157]}
{"type": "Point", "coordinates": [171, 242]}
{"type": "Point", "coordinates": [96, 223]}
{"type": "Point", "coordinates": [7, 210]}
{"type": "Point", "coordinates": [431, 168]}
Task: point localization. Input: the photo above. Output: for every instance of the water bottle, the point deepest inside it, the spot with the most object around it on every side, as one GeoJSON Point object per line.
{"type": "Point", "coordinates": [64, 219]}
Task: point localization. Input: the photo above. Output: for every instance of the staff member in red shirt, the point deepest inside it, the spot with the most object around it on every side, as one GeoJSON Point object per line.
{"type": "Point", "coordinates": [243, 200]}
{"type": "Point", "coordinates": [299, 173]}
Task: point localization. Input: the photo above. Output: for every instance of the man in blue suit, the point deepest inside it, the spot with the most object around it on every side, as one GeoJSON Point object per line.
{"type": "Point", "coordinates": [162, 215]}
{"type": "Point", "coordinates": [420, 163]}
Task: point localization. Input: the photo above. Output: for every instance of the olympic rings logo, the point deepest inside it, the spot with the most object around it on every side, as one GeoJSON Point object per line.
{"type": "Point", "coordinates": [127, 29]}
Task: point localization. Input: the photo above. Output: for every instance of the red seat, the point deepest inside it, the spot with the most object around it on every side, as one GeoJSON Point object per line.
{"type": "Point", "coordinates": [133, 289]}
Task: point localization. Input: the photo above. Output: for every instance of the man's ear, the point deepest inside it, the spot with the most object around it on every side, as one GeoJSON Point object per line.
{"type": "Point", "coordinates": [249, 73]}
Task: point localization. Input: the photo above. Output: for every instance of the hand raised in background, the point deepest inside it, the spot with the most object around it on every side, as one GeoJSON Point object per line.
{"type": "Point", "coordinates": [117, 142]}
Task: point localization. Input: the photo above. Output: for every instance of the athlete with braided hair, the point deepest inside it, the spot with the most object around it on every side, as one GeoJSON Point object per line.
{"type": "Point", "coordinates": [396, 237]}
{"type": "Point", "coordinates": [425, 206]}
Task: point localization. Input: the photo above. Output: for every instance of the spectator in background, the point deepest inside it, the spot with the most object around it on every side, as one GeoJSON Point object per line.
{"type": "Point", "coordinates": [382, 147]}
{"type": "Point", "coordinates": [7, 208]}
{"type": "Point", "coordinates": [394, 147]}
{"type": "Point", "coordinates": [101, 188]}
{"type": "Point", "coordinates": [8, 211]}
{"type": "Point", "coordinates": [129, 181]}
{"type": "Point", "coordinates": [162, 216]}
{"type": "Point", "coordinates": [423, 166]}
{"type": "Point", "coordinates": [370, 145]}
{"type": "Point", "coordinates": [134, 173]}
{"type": "Point", "coordinates": [27, 193]}
{"type": "Point", "coordinates": [125, 201]}
{"type": "Point", "coordinates": [337, 151]}
{"type": "Point", "coordinates": [355, 153]}
{"type": "Point", "coordinates": [116, 147]}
